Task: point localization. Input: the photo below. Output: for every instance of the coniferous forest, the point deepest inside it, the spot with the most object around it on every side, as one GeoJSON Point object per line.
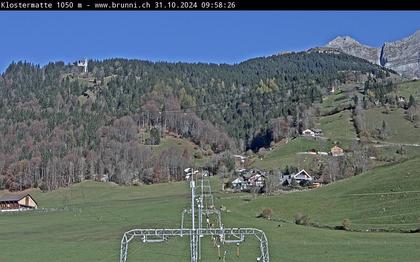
{"type": "Point", "coordinates": [59, 125]}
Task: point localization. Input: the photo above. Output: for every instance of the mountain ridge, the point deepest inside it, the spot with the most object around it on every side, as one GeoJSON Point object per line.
{"type": "Point", "coordinates": [402, 55]}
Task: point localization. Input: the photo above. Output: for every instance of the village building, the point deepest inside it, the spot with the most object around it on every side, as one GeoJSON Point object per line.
{"type": "Point", "coordinates": [315, 132]}
{"type": "Point", "coordinates": [239, 183]}
{"type": "Point", "coordinates": [300, 177]}
{"type": "Point", "coordinates": [257, 180]}
{"type": "Point", "coordinates": [308, 132]}
{"type": "Point", "coordinates": [337, 151]}
{"type": "Point", "coordinates": [17, 202]}
{"type": "Point", "coordinates": [249, 179]}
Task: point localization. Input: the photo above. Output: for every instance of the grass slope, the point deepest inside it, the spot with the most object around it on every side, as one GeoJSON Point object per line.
{"type": "Point", "coordinates": [91, 217]}
{"type": "Point", "coordinates": [409, 88]}
{"type": "Point", "coordinates": [386, 197]}
{"type": "Point", "coordinates": [399, 129]}
{"type": "Point", "coordinates": [286, 154]}
{"type": "Point", "coordinates": [339, 127]}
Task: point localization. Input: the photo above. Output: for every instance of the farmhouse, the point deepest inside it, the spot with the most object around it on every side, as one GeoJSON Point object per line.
{"type": "Point", "coordinates": [337, 151]}
{"type": "Point", "coordinates": [300, 177]}
{"type": "Point", "coordinates": [17, 202]}
{"type": "Point", "coordinates": [312, 132]}
{"type": "Point", "coordinates": [248, 179]}
{"type": "Point", "coordinates": [308, 132]}
{"type": "Point", "coordinates": [257, 180]}
{"type": "Point", "coordinates": [239, 183]}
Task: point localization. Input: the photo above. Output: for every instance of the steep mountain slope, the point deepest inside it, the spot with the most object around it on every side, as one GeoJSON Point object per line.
{"type": "Point", "coordinates": [59, 125]}
{"type": "Point", "coordinates": [355, 48]}
{"type": "Point", "coordinates": [403, 55]}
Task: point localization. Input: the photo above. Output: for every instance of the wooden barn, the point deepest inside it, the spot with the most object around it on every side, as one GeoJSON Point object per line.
{"type": "Point", "coordinates": [17, 202]}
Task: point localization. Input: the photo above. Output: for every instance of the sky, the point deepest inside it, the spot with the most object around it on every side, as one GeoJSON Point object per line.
{"type": "Point", "coordinates": [189, 36]}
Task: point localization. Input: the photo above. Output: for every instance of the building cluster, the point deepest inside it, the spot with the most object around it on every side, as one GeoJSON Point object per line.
{"type": "Point", "coordinates": [254, 179]}
{"type": "Point", "coordinates": [249, 179]}
{"type": "Point", "coordinates": [301, 178]}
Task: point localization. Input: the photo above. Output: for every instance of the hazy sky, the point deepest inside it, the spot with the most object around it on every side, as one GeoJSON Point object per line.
{"type": "Point", "coordinates": [192, 36]}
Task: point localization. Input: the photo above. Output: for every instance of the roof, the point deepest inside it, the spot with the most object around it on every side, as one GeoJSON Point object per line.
{"type": "Point", "coordinates": [303, 171]}
{"type": "Point", "coordinates": [238, 180]}
{"type": "Point", "coordinates": [14, 198]}
{"type": "Point", "coordinates": [336, 148]}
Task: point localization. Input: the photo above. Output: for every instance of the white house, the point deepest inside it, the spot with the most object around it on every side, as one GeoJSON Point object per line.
{"type": "Point", "coordinates": [301, 176]}
{"type": "Point", "coordinates": [257, 180]}
{"type": "Point", "coordinates": [308, 132]}
{"type": "Point", "coordinates": [239, 183]}
{"type": "Point", "coordinates": [312, 132]}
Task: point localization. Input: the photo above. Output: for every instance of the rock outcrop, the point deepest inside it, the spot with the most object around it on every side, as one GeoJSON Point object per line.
{"type": "Point", "coordinates": [352, 47]}
{"type": "Point", "coordinates": [402, 56]}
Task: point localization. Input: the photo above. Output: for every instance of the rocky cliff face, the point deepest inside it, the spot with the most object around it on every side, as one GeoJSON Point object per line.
{"type": "Point", "coordinates": [353, 47]}
{"type": "Point", "coordinates": [403, 56]}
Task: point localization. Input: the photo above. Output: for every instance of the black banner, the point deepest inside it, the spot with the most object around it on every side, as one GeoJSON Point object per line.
{"type": "Point", "coordinates": [105, 5]}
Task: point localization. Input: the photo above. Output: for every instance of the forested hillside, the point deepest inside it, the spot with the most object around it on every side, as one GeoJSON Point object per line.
{"type": "Point", "coordinates": [59, 125]}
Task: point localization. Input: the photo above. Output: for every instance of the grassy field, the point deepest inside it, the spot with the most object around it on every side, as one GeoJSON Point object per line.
{"type": "Point", "coordinates": [343, 96]}
{"type": "Point", "coordinates": [409, 88]}
{"type": "Point", "coordinates": [386, 197]}
{"type": "Point", "coordinates": [399, 129]}
{"type": "Point", "coordinates": [339, 127]}
{"type": "Point", "coordinates": [285, 154]}
{"type": "Point", "coordinates": [86, 221]}
{"type": "Point", "coordinates": [182, 144]}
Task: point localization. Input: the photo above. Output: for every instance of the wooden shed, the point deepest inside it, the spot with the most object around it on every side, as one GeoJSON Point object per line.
{"type": "Point", "coordinates": [17, 202]}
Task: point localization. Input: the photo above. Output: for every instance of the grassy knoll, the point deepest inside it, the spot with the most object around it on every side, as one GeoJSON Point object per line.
{"type": "Point", "coordinates": [91, 217]}
{"type": "Point", "coordinates": [399, 129]}
{"type": "Point", "coordinates": [285, 154]}
{"type": "Point", "coordinates": [409, 88]}
{"type": "Point", "coordinates": [182, 144]}
{"type": "Point", "coordinates": [386, 197]}
{"type": "Point", "coordinates": [339, 127]}
{"type": "Point", "coordinates": [343, 96]}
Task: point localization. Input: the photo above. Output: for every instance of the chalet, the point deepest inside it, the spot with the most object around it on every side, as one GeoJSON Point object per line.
{"type": "Point", "coordinates": [17, 202]}
{"type": "Point", "coordinates": [308, 132]}
{"type": "Point", "coordinates": [257, 180]}
{"type": "Point", "coordinates": [239, 183]}
{"type": "Point", "coordinates": [248, 179]}
{"type": "Point", "coordinates": [312, 132]}
{"type": "Point", "coordinates": [300, 177]}
{"type": "Point", "coordinates": [337, 151]}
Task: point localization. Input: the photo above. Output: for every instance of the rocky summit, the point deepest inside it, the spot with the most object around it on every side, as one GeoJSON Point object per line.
{"type": "Point", "coordinates": [402, 56]}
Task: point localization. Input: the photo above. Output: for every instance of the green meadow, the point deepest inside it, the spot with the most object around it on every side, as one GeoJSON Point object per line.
{"type": "Point", "coordinates": [86, 221]}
